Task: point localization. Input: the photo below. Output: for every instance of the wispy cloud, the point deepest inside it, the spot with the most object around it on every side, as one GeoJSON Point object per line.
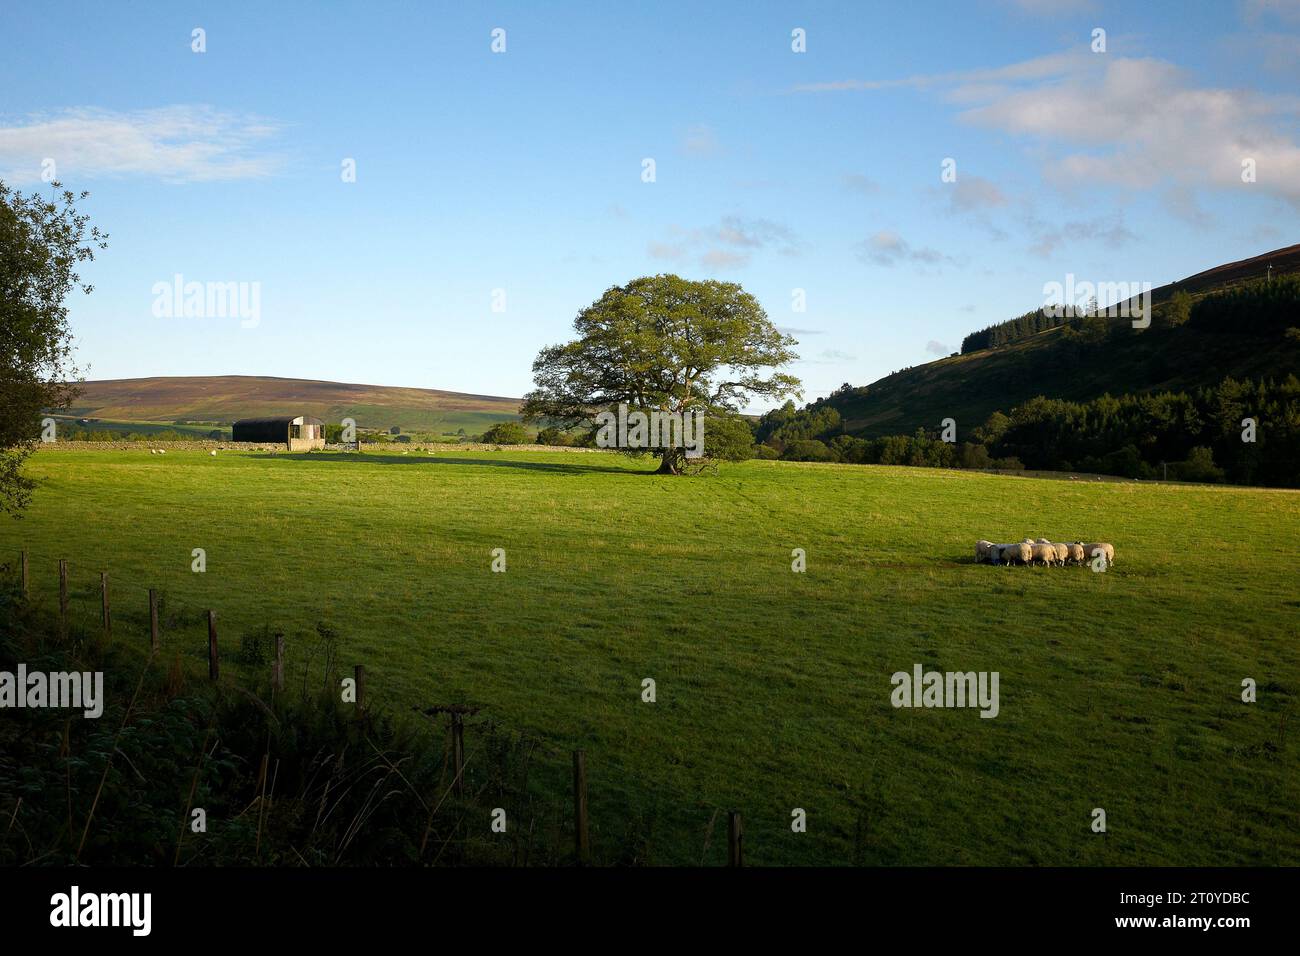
{"type": "Point", "coordinates": [728, 245]}
{"type": "Point", "coordinates": [888, 248]}
{"type": "Point", "coordinates": [1053, 8]}
{"type": "Point", "coordinates": [1180, 201]}
{"type": "Point", "coordinates": [1124, 121]}
{"type": "Point", "coordinates": [1108, 230]}
{"type": "Point", "coordinates": [856, 182]}
{"type": "Point", "coordinates": [935, 347]}
{"type": "Point", "coordinates": [722, 259]}
{"type": "Point", "coordinates": [962, 82]}
{"type": "Point", "coordinates": [701, 141]}
{"type": "Point", "coordinates": [828, 357]}
{"type": "Point", "coordinates": [1253, 10]}
{"type": "Point", "coordinates": [665, 250]}
{"type": "Point", "coordinates": [974, 193]}
{"type": "Point", "coordinates": [174, 144]}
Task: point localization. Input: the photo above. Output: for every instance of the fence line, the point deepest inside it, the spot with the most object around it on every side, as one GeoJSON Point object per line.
{"type": "Point", "coordinates": [457, 713]}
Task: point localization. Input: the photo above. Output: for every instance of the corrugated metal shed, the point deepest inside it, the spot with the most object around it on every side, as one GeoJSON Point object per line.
{"type": "Point", "coordinates": [277, 428]}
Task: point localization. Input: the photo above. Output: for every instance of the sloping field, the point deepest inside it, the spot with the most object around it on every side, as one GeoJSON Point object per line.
{"type": "Point", "coordinates": [226, 398]}
{"type": "Point", "coordinates": [1118, 690]}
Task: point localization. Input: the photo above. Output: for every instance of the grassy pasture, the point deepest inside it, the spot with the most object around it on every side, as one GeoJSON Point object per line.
{"type": "Point", "coordinates": [1119, 690]}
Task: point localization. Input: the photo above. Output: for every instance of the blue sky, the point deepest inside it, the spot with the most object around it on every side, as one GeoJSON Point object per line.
{"type": "Point", "coordinates": [522, 171]}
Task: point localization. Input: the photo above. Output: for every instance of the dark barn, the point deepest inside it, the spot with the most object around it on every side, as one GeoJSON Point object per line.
{"type": "Point", "coordinates": [297, 433]}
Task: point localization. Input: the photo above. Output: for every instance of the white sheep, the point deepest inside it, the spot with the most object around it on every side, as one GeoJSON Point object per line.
{"type": "Point", "coordinates": [1062, 553]}
{"type": "Point", "coordinates": [1076, 552]}
{"type": "Point", "coordinates": [1013, 553]}
{"type": "Point", "coordinates": [1106, 549]}
{"type": "Point", "coordinates": [1042, 552]}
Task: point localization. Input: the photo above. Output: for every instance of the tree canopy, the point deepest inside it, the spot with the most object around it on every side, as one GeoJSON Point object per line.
{"type": "Point", "coordinates": [42, 243]}
{"type": "Point", "coordinates": [663, 344]}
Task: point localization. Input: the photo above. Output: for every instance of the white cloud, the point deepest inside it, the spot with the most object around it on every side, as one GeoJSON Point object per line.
{"type": "Point", "coordinates": [1123, 121]}
{"type": "Point", "coordinates": [1140, 123]}
{"type": "Point", "coordinates": [174, 144]}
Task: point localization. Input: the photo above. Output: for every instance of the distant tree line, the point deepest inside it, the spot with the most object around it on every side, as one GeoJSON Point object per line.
{"type": "Point", "coordinates": [1012, 330]}
{"type": "Point", "coordinates": [1202, 435]}
{"type": "Point", "coordinates": [1259, 305]}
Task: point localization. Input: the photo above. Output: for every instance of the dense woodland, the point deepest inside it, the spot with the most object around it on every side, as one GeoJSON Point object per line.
{"type": "Point", "coordinates": [1201, 434]}
{"type": "Point", "coordinates": [1003, 333]}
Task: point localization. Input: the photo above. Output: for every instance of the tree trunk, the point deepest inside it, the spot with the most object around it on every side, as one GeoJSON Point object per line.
{"type": "Point", "coordinates": [670, 464]}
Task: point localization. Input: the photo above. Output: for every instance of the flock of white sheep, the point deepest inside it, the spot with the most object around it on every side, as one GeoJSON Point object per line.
{"type": "Point", "coordinates": [1030, 551]}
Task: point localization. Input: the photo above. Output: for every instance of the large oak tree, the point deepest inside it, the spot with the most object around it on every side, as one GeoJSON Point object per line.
{"type": "Point", "coordinates": [42, 242]}
{"type": "Point", "coordinates": [663, 343]}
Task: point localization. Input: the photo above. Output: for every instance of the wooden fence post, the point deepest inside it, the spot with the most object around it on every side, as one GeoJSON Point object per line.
{"type": "Point", "coordinates": [153, 621]}
{"type": "Point", "coordinates": [104, 605]}
{"type": "Point", "coordinates": [63, 598]}
{"type": "Point", "coordinates": [735, 840]}
{"type": "Point", "coordinates": [23, 562]}
{"type": "Point", "coordinates": [581, 842]}
{"type": "Point", "coordinates": [359, 678]}
{"type": "Point", "coordinates": [458, 752]}
{"type": "Point", "coordinates": [277, 675]}
{"type": "Point", "coordinates": [214, 665]}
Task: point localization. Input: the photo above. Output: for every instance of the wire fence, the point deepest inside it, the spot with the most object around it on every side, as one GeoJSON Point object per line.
{"type": "Point", "coordinates": [548, 802]}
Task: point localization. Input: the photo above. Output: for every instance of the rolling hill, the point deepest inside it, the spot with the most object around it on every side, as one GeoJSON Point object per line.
{"type": "Point", "coordinates": [1055, 364]}
{"type": "Point", "coordinates": [225, 398]}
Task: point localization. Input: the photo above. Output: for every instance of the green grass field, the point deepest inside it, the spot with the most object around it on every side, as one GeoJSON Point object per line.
{"type": "Point", "coordinates": [1119, 690]}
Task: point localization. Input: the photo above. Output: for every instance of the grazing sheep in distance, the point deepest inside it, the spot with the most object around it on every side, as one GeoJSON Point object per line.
{"type": "Point", "coordinates": [1051, 553]}
{"type": "Point", "coordinates": [1107, 549]}
{"type": "Point", "coordinates": [1042, 552]}
{"type": "Point", "coordinates": [1012, 553]}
